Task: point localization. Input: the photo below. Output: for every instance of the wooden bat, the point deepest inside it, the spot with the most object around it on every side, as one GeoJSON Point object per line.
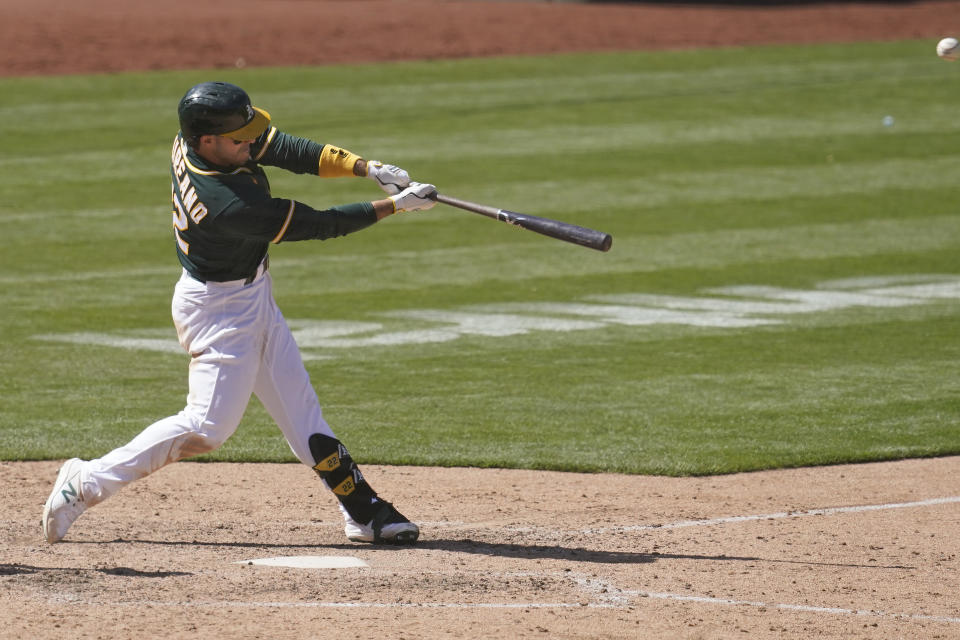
{"type": "Point", "coordinates": [553, 228]}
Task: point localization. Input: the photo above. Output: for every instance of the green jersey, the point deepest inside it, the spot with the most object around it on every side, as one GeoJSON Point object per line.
{"type": "Point", "coordinates": [225, 218]}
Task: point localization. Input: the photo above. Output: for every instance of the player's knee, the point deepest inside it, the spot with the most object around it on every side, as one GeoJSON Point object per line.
{"type": "Point", "coordinates": [215, 428]}
{"type": "Point", "coordinates": [197, 444]}
{"type": "Point", "coordinates": [202, 436]}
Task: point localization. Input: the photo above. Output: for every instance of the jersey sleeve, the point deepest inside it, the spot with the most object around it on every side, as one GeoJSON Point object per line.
{"type": "Point", "coordinates": [301, 155]}
{"type": "Point", "coordinates": [307, 223]}
{"type": "Point", "coordinates": [278, 220]}
{"type": "Point", "coordinates": [277, 149]}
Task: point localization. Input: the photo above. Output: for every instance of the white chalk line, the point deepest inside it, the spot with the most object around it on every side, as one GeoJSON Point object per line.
{"type": "Point", "coordinates": [793, 607]}
{"type": "Point", "coordinates": [780, 515]}
{"type": "Point", "coordinates": [776, 516]}
{"type": "Point", "coordinates": [610, 596]}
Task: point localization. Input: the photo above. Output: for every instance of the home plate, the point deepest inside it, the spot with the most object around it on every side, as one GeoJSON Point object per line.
{"type": "Point", "coordinates": [309, 562]}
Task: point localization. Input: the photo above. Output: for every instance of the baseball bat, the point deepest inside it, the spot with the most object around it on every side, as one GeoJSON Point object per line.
{"type": "Point", "coordinates": [565, 231]}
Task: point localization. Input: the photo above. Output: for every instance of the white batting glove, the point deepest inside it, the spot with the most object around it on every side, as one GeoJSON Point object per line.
{"type": "Point", "coordinates": [388, 177]}
{"type": "Point", "coordinates": [416, 197]}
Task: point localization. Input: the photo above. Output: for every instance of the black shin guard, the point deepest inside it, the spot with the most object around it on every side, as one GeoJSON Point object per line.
{"type": "Point", "coordinates": [340, 473]}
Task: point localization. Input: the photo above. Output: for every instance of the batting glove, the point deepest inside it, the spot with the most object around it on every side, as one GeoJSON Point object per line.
{"type": "Point", "coordinates": [416, 197]}
{"type": "Point", "coordinates": [388, 177]}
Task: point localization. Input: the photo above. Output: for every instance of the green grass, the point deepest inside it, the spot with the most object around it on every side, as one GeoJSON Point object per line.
{"type": "Point", "coordinates": [765, 166]}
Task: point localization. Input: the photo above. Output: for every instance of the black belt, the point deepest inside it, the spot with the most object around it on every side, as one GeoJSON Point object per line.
{"type": "Point", "coordinates": [248, 280]}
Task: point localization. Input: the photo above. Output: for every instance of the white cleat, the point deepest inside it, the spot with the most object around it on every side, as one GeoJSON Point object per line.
{"type": "Point", "coordinates": [65, 503]}
{"type": "Point", "coordinates": [388, 526]}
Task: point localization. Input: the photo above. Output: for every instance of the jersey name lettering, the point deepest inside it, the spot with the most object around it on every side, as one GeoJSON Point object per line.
{"type": "Point", "coordinates": [185, 201]}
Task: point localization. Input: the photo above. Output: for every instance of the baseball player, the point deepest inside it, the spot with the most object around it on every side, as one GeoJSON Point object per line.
{"type": "Point", "coordinates": [224, 220]}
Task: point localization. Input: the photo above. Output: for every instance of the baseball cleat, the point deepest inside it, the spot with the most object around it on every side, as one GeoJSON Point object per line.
{"type": "Point", "coordinates": [65, 503]}
{"type": "Point", "coordinates": [388, 526]}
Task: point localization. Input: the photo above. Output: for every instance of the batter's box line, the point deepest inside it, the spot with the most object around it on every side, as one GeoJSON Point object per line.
{"type": "Point", "coordinates": [607, 594]}
{"type": "Point", "coordinates": [781, 515]}
{"type": "Point", "coordinates": [792, 607]}
{"type": "Point", "coordinates": [773, 516]}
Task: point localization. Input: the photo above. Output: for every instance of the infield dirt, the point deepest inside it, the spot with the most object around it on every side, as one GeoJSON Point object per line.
{"type": "Point", "coordinates": [862, 551]}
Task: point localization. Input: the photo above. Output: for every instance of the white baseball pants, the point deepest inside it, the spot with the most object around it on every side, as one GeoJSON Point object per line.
{"type": "Point", "coordinates": [239, 344]}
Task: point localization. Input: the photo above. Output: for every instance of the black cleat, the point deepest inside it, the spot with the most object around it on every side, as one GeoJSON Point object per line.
{"type": "Point", "coordinates": [388, 526]}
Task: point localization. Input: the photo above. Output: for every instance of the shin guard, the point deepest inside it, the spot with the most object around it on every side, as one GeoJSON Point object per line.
{"type": "Point", "coordinates": [340, 473]}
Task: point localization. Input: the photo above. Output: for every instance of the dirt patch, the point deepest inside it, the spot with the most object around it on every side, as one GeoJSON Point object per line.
{"type": "Point", "coordinates": [60, 36]}
{"type": "Point", "coordinates": [862, 551]}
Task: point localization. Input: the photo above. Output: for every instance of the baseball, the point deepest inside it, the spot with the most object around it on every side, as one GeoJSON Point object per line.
{"type": "Point", "coordinates": [948, 49]}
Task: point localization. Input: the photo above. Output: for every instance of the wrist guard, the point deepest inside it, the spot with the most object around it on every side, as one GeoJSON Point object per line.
{"type": "Point", "coordinates": [336, 162]}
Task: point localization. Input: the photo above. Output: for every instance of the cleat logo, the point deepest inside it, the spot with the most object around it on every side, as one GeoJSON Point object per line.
{"type": "Point", "coordinates": [69, 493]}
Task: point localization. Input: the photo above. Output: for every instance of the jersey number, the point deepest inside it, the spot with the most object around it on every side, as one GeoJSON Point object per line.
{"type": "Point", "coordinates": [198, 211]}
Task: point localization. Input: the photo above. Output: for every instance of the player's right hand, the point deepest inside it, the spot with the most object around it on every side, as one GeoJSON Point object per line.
{"type": "Point", "coordinates": [416, 197]}
{"type": "Point", "coordinates": [388, 177]}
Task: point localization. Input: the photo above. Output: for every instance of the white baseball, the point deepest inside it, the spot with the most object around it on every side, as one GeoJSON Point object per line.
{"type": "Point", "coordinates": [948, 49]}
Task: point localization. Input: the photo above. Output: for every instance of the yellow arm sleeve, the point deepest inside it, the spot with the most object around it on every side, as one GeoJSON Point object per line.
{"type": "Point", "coordinates": [336, 162]}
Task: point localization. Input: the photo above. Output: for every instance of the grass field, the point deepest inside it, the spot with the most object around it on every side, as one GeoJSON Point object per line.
{"type": "Point", "coordinates": [783, 288]}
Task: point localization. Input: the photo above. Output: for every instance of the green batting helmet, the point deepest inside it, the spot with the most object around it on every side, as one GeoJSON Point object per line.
{"type": "Point", "coordinates": [223, 109]}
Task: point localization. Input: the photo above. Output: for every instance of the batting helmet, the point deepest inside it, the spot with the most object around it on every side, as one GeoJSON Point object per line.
{"type": "Point", "coordinates": [223, 109]}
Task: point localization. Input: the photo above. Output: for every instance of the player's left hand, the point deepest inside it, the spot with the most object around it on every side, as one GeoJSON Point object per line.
{"type": "Point", "coordinates": [388, 177]}
{"type": "Point", "coordinates": [416, 197]}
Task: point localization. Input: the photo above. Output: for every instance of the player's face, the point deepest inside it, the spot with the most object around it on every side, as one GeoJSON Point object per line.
{"type": "Point", "coordinates": [225, 152]}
